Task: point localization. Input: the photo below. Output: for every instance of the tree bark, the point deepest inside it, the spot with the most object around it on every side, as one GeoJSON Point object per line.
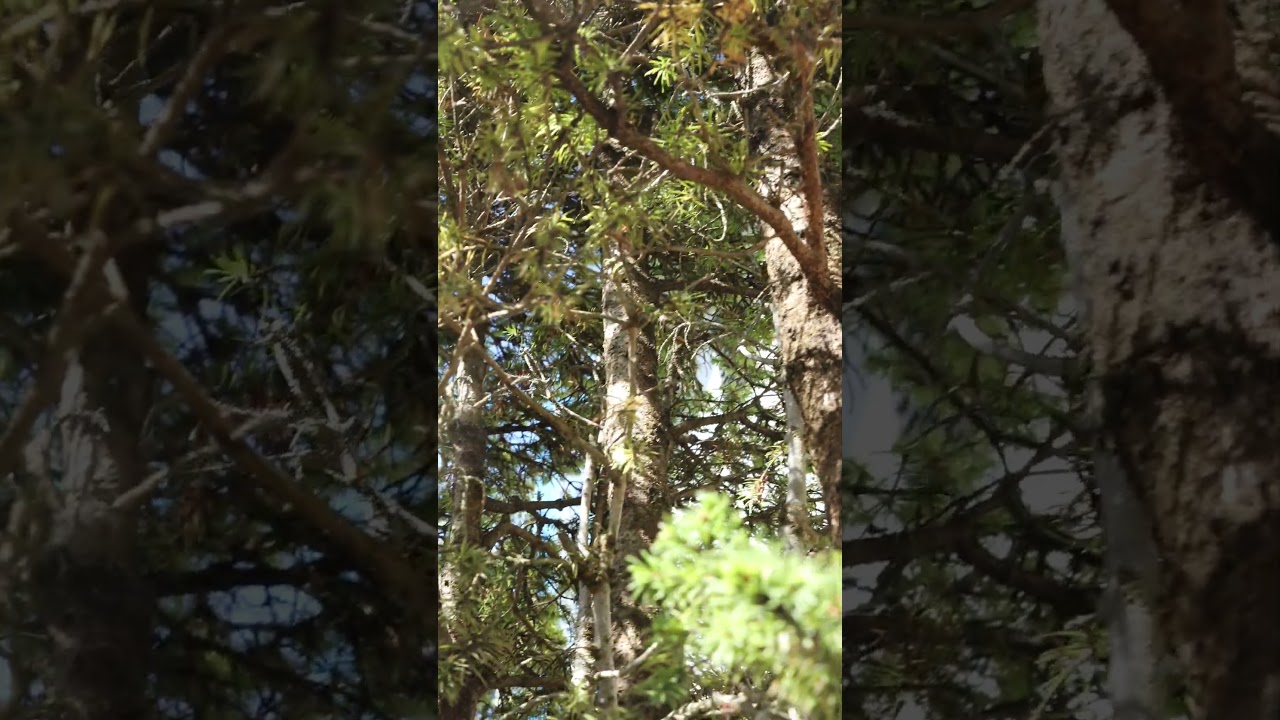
{"type": "Point", "coordinates": [803, 273]}
{"type": "Point", "coordinates": [808, 326]}
{"type": "Point", "coordinates": [1182, 288]}
{"type": "Point", "coordinates": [87, 584]}
{"type": "Point", "coordinates": [468, 436]}
{"type": "Point", "coordinates": [635, 435]}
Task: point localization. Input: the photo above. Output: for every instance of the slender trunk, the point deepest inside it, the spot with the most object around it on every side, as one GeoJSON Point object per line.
{"type": "Point", "coordinates": [467, 436]}
{"type": "Point", "coordinates": [635, 437]}
{"type": "Point", "coordinates": [580, 670]}
{"type": "Point", "coordinates": [1135, 671]}
{"type": "Point", "coordinates": [798, 530]}
{"type": "Point", "coordinates": [88, 584]}
{"type": "Point", "coordinates": [1135, 679]}
{"type": "Point", "coordinates": [1182, 287]}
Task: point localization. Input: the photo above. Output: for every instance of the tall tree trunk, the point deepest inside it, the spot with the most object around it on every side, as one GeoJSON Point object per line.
{"type": "Point", "coordinates": [635, 436]}
{"type": "Point", "coordinates": [88, 584]}
{"type": "Point", "coordinates": [468, 437]}
{"type": "Point", "coordinates": [1136, 682]}
{"type": "Point", "coordinates": [808, 326]}
{"type": "Point", "coordinates": [1182, 287]}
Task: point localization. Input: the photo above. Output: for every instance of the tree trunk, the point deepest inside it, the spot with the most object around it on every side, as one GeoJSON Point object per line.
{"type": "Point", "coordinates": [635, 437]}
{"type": "Point", "coordinates": [88, 585]}
{"type": "Point", "coordinates": [467, 436]}
{"type": "Point", "coordinates": [808, 326]}
{"type": "Point", "coordinates": [1182, 291]}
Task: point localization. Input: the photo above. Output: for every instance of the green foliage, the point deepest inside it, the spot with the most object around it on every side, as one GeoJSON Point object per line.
{"type": "Point", "coordinates": [534, 196]}
{"type": "Point", "coordinates": [955, 223]}
{"type": "Point", "coordinates": [283, 225]}
{"type": "Point", "coordinates": [753, 610]}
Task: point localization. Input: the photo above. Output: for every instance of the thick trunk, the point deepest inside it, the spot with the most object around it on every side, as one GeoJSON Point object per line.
{"type": "Point", "coordinates": [808, 326]}
{"type": "Point", "coordinates": [1183, 296]}
{"type": "Point", "coordinates": [634, 436]}
{"type": "Point", "coordinates": [88, 584]}
{"type": "Point", "coordinates": [468, 437]}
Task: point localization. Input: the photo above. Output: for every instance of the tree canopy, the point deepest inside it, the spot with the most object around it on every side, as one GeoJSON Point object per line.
{"type": "Point", "coordinates": [614, 179]}
{"type": "Point", "coordinates": [218, 279]}
{"type": "Point", "coordinates": [976, 561]}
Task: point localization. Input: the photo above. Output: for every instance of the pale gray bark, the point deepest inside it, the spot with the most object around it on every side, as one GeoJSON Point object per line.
{"type": "Point", "coordinates": [467, 438]}
{"type": "Point", "coordinates": [582, 652]}
{"type": "Point", "coordinates": [1136, 665]}
{"type": "Point", "coordinates": [635, 436]}
{"type": "Point", "coordinates": [1182, 287]}
{"type": "Point", "coordinates": [86, 583]}
{"type": "Point", "coordinates": [798, 530]}
{"type": "Point", "coordinates": [1135, 677]}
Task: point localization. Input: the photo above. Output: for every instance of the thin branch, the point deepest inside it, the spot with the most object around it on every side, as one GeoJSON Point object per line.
{"type": "Point", "coordinates": [974, 337]}
{"type": "Point", "coordinates": [506, 507]}
{"type": "Point", "coordinates": [167, 121]}
{"type": "Point", "coordinates": [536, 408]}
{"type": "Point", "coordinates": [880, 126]}
{"type": "Point", "coordinates": [935, 537]}
{"type": "Point", "coordinates": [1066, 599]}
{"type": "Point", "coordinates": [506, 529]}
{"type": "Point", "coordinates": [811, 263]}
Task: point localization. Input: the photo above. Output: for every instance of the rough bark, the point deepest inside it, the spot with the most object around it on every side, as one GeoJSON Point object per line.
{"type": "Point", "coordinates": [635, 429]}
{"type": "Point", "coordinates": [1191, 52]}
{"type": "Point", "coordinates": [1183, 289]}
{"type": "Point", "coordinates": [468, 436]}
{"type": "Point", "coordinates": [808, 325]}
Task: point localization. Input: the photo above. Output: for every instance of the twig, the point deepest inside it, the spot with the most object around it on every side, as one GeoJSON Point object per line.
{"type": "Point", "coordinates": [812, 266]}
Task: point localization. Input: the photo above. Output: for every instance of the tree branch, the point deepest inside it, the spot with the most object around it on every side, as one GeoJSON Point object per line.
{"type": "Point", "coordinates": [1190, 47]}
{"type": "Point", "coordinates": [400, 580]}
{"type": "Point", "coordinates": [806, 140]}
{"type": "Point", "coordinates": [1068, 600]}
{"type": "Point", "coordinates": [506, 507]}
{"type": "Point", "coordinates": [935, 537]}
{"type": "Point", "coordinates": [973, 336]}
{"type": "Point", "coordinates": [616, 124]}
{"type": "Point", "coordinates": [884, 128]}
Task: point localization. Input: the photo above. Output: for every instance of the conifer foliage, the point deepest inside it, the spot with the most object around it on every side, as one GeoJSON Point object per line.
{"type": "Point", "coordinates": [638, 271]}
{"type": "Point", "coordinates": [217, 272]}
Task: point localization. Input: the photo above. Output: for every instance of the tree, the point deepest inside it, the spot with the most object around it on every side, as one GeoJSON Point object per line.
{"type": "Point", "coordinates": [627, 275]}
{"type": "Point", "coordinates": [215, 463]}
{"type": "Point", "coordinates": [1177, 267]}
{"type": "Point", "coordinates": [1125, 225]}
{"type": "Point", "coordinates": [972, 551]}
